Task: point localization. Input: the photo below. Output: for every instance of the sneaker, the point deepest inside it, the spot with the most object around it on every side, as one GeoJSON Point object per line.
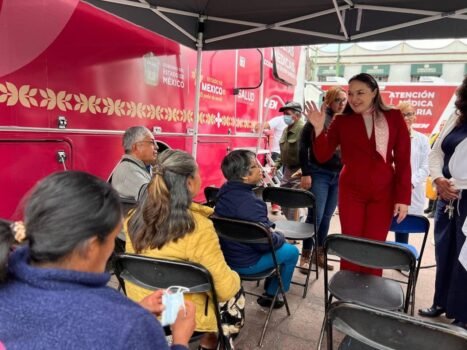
{"type": "Point", "coordinates": [430, 215]}
{"type": "Point", "coordinates": [275, 208]}
{"type": "Point", "coordinates": [266, 301]}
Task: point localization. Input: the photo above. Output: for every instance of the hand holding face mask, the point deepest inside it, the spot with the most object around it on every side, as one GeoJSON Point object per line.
{"type": "Point", "coordinates": [172, 299]}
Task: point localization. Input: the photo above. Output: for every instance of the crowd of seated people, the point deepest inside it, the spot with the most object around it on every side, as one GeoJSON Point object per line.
{"type": "Point", "coordinates": [167, 224]}
{"type": "Point", "coordinates": [52, 266]}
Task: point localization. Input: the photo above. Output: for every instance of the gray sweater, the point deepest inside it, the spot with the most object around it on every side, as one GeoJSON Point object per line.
{"type": "Point", "coordinates": [129, 176]}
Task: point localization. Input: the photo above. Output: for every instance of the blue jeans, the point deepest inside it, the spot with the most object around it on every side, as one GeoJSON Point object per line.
{"type": "Point", "coordinates": [324, 185]}
{"type": "Point", "coordinates": [287, 257]}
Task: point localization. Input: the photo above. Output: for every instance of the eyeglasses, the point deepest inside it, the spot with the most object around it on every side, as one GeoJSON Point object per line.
{"type": "Point", "coordinates": [152, 142]}
{"type": "Point", "coordinates": [408, 114]}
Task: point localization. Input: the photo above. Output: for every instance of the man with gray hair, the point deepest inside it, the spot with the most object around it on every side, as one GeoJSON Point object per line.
{"type": "Point", "coordinates": [135, 168]}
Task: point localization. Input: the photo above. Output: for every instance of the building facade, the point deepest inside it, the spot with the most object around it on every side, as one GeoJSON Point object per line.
{"type": "Point", "coordinates": [403, 61]}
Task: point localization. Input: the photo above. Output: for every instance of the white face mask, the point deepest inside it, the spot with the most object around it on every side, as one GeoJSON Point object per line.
{"type": "Point", "coordinates": [172, 301]}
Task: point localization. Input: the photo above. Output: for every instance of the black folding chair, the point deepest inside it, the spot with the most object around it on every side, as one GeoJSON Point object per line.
{"type": "Point", "coordinates": [365, 289]}
{"type": "Point", "coordinates": [372, 328]}
{"type": "Point", "coordinates": [295, 198]}
{"type": "Point", "coordinates": [251, 233]}
{"type": "Point", "coordinates": [153, 274]}
{"type": "Point", "coordinates": [127, 203]}
{"type": "Point", "coordinates": [210, 193]}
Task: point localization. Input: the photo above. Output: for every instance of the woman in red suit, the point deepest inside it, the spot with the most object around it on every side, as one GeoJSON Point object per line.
{"type": "Point", "coordinates": [375, 182]}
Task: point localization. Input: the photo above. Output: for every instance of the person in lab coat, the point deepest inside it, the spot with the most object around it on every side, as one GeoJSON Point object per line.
{"type": "Point", "coordinates": [419, 150]}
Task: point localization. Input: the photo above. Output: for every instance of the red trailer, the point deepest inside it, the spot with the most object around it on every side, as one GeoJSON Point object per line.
{"type": "Point", "coordinates": [73, 78]}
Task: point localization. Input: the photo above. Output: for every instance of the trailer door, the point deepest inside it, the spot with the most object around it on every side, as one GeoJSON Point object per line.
{"type": "Point", "coordinates": [249, 81]}
{"type": "Point", "coordinates": [24, 162]}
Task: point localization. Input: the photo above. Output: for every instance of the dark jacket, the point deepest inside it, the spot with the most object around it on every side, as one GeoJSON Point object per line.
{"type": "Point", "coordinates": [45, 308]}
{"type": "Point", "coordinates": [289, 145]}
{"type": "Point", "coordinates": [306, 154]}
{"type": "Point", "coordinates": [237, 200]}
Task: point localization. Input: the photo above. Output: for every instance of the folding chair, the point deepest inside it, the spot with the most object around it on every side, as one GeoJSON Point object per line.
{"type": "Point", "coordinates": [127, 203]}
{"type": "Point", "coordinates": [251, 233]}
{"type": "Point", "coordinates": [210, 193]}
{"type": "Point", "coordinates": [412, 224]}
{"type": "Point", "coordinates": [153, 274]}
{"type": "Point", "coordinates": [372, 328]}
{"type": "Point", "coordinates": [365, 289]}
{"type": "Point", "coordinates": [295, 198]}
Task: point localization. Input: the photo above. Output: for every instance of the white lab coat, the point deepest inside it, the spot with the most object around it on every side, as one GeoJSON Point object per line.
{"type": "Point", "coordinates": [436, 156]}
{"type": "Point", "coordinates": [420, 148]}
{"type": "Point", "coordinates": [458, 170]}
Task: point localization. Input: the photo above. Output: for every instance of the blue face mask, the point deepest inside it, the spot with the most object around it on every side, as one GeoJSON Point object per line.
{"type": "Point", "coordinates": [172, 299]}
{"type": "Point", "coordinates": [288, 119]}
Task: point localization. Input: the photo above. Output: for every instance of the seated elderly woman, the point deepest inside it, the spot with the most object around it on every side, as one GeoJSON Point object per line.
{"type": "Point", "coordinates": [167, 224]}
{"type": "Point", "coordinates": [237, 200]}
{"type": "Point", "coordinates": [54, 295]}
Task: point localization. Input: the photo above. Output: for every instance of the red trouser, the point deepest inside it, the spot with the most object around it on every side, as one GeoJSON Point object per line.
{"type": "Point", "coordinates": [366, 215]}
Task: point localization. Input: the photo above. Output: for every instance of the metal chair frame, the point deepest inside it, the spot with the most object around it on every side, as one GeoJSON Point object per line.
{"type": "Point", "coordinates": [210, 193]}
{"type": "Point", "coordinates": [247, 232]}
{"type": "Point", "coordinates": [295, 198]}
{"type": "Point", "coordinates": [154, 274]}
{"type": "Point", "coordinates": [412, 224]}
{"type": "Point", "coordinates": [372, 328]}
{"type": "Point", "coordinates": [372, 254]}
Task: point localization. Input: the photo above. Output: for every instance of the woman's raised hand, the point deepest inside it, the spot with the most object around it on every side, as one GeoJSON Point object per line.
{"type": "Point", "coordinates": [315, 116]}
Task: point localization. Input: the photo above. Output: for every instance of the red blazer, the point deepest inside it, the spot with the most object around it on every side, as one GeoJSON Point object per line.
{"type": "Point", "coordinates": [365, 170]}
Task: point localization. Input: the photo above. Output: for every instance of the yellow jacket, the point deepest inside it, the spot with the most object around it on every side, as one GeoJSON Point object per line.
{"type": "Point", "coordinates": [200, 246]}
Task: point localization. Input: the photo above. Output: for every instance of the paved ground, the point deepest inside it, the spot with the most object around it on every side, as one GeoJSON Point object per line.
{"type": "Point", "coordinates": [301, 329]}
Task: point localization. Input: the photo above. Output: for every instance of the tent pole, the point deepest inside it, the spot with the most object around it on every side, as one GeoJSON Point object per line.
{"type": "Point", "coordinates": [199, 58]}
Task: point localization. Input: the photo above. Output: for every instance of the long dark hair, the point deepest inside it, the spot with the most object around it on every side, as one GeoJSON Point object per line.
{"type": "Point", "coordinates": [163, 214]}
{"type": "Point", "coordinates": [371, 82]}
{"type": "Point", "coordinates": [461, 103]}
{"type": "Point", "coordinates": [62, 212]}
